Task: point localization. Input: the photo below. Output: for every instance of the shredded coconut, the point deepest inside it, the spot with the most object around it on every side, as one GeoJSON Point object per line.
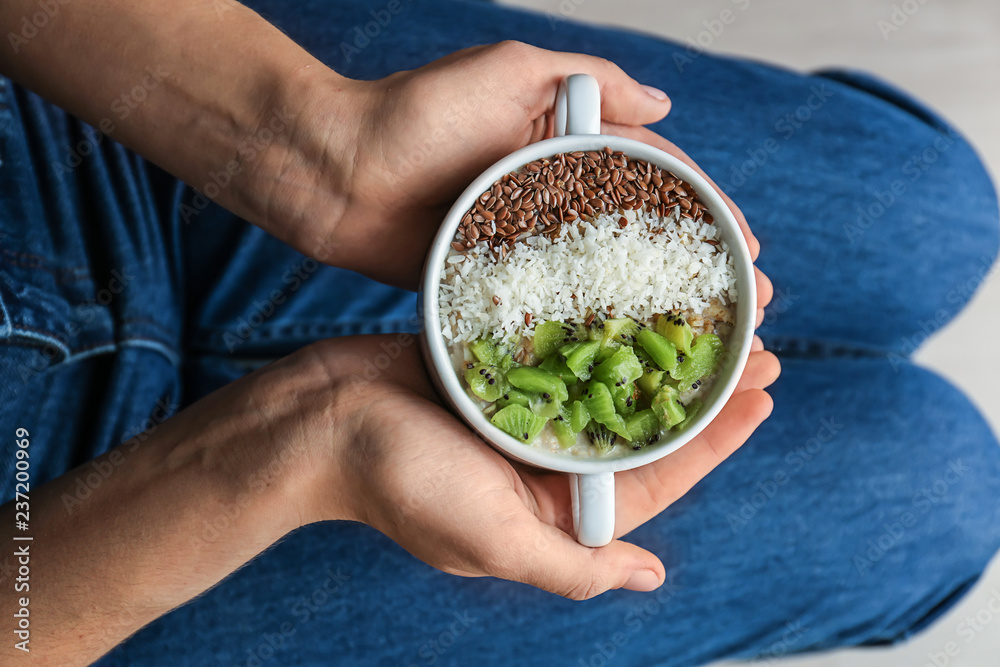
{"type": "Point", "coordinates": [652, 265]}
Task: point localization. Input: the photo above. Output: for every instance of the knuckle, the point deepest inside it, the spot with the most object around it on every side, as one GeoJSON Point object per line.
{"type": "Point", "coordinates": [587, 588]}
{"type": "Point", "coordinates": [608, 66]}
{"type": "Point", "coordinates": [514, 49]}
{"type": "Point", "coordinates": [591, 583]}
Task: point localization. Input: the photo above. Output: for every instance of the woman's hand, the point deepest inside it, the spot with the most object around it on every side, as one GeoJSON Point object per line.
{"type": "Point", "coordinates": [369, 183]}
{"type": "Point", "coordinates": [408, 468]}
{"type": "Point", "coordinates": [419, 138]}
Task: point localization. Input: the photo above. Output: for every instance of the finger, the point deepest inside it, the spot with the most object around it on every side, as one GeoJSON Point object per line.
{"type": "Point", "coordinates": [759, 318]}
{"type": "Point", "coordinates": [762, 369]}
{"type": "Point", "coordinates": [757, 345]}
{"type": "Point", "coordinates": [623, 99]}
{"type": "Point", "coordinates": [544, 556]}
{"type": "Point", "coordinates": [647, 136]}
{"type": "Point", "coordinates": [646, 491]}
{"type": "Point", "coordinates": [765, 290]}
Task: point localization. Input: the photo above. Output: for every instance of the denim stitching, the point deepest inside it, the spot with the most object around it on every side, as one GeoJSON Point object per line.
{"type": "Point", "coordinates": [172, 355]}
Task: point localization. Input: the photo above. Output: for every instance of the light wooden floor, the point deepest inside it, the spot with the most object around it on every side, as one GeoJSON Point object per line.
{"type": "Point", "coordinates": [948, 53]}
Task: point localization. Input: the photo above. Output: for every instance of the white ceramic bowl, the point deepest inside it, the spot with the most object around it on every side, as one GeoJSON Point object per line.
{"type": "Point", "coordinates": [592, 478]}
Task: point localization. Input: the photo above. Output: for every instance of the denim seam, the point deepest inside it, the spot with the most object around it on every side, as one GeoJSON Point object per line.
{"type": "Point", "coordinates": [42, 338]}
{"type": "Point", "coordinates": [147, 343]}
{"type": "Point", "coordinates": [68, 353]}
{"type": "Point", "coordinates": [8, 327]}
{"type": "Point", "coordinates": [96, 349]}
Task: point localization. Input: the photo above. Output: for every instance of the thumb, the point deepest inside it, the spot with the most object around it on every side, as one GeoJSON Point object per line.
{"type": "Point", "coordinates": [623, 99]}
{"type": "Point", "coordinates": [551, 560]}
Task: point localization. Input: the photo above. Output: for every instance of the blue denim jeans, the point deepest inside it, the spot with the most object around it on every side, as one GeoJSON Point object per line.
{"type": "Point", "coordinates": [856, 515]}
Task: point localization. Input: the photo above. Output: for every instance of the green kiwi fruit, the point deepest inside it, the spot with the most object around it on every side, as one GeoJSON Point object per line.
{"type": "Point", "coordinates": [661, 350]}
{"type": "Point", "coordinates": [621, 368]}
{"type": "Point", "coordinates": [554, 364]}
{"type": "Point", "coordinates": [599, 403]}
{"type": "Point", "coordinates": [602, 438]}
{"type": "Point", "coordinates": [563, 429]}
{"type": "Point", "coordinates": [513, 397]}
{"type": "Point", "coordinates": [580, 357]}
{"type": "Point", "coordinates": [650, 381]}
{"type": "Point", "coordinates": [579, 416]}
{"type": "Point", "coordinates": [615, 332]}
{"type": "Point", "coordinates": [548, 408]}
{"type": "Point", "coordinates": [675, 328]}
{"type": "Point", "coordinates": [692, 410]}
{"type": "Point", "coordinates": [551, 335]}
{"type": "Point", "coordinates": [493, 352]}
{"type": "Point", "coordinates": [604, 353]}
{"type": "Point", "coordinates": [644, 427]}
{"type": "Point", "coordinates": [538, 381]}
{"type": "Point", "coordinates": [519, 422]}
{"type": "Point", "coordinates": [667, 407]}
{"type": "Point", "coordinates": [705, 355]}
{"type": "Point", "coordinates": [625, 397]}
{"type": "Point", "coordinates": [486, 382]}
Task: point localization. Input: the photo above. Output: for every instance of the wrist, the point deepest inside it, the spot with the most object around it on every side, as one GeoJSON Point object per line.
{"type": "Point", "coordinates": [264, 451]}
{"type": "Point", "coordinates": [301, 158]}
{"type": "Point", "coordinates": [307, 406]}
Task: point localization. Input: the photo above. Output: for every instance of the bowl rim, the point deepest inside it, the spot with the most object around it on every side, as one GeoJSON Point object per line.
{"type": "Point", "coordinates": [439, 360]}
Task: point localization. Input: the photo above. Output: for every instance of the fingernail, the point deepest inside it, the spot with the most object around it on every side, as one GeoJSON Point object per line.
{"type": "Point", "coordinates": [655, 93]}
{"type": "Point", "coordinates": [643, 581]}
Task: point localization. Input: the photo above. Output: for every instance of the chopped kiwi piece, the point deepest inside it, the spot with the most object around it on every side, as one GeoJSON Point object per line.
{"type": "Point", "coordinates": [650, 381]}
{"type": "Point", "coordinates": [486, 382]}
{"type": "Point", "coordinates": [604, 353]}
{"type": "Point", "coordinates": [519, 422]}
{"type": "Point", "coordinates": [538, 381]}
{"type": "Point", "coordinates": [620, 369]}
{"type": "Point", "coordinates": [601, 437]}
{"type": "Point", "coordinates": [513, 397]}
{"type": "Point", "coordinates": [563, 429]}
{"type": "Point", "coordinates": [705, 355]}
{"type": "Point", "coordinates": [580, 357]}
{"type": "Point", "coordinates": [675, 328]}
{"type": "Point", "coordinates": [493, 352]}
{"type": "Point", "coordinates": [579, 416]}
{"type": "Point", "coordinates": [625, 397]}
{"type": "Point", "coordinates": [620, 330]}
{"type": "Point", "coordinates": [692, 409]}
{"type": "Point", "coordinates": [644, 359]}
{"type": "Point", "coordinates": [551, 335]}
{"type": "Point", "coordinates": [615, 332]}
{"type": "Point", "coordinates": [661, 350]}
{"type": "Point", "coordinates": [565, 436]}
{"type": "Point", "coordinates": [545, 407]}
{"type": "Point", "coordinates": [644, 427]}
{"type": "Point", "coordinates": [667, 407]}
{"type": "Point", "coordinates": [599, 403]}
{"type": "Point", "coordinates": [555, 365]}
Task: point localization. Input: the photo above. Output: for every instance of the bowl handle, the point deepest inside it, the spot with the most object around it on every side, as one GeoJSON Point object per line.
{"type": "Point", "coordinates": [578, 111]}
{"type": "Point", "coordinates": [593, 498]}
{"type": "Point", "coordinates": [578, 106]}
